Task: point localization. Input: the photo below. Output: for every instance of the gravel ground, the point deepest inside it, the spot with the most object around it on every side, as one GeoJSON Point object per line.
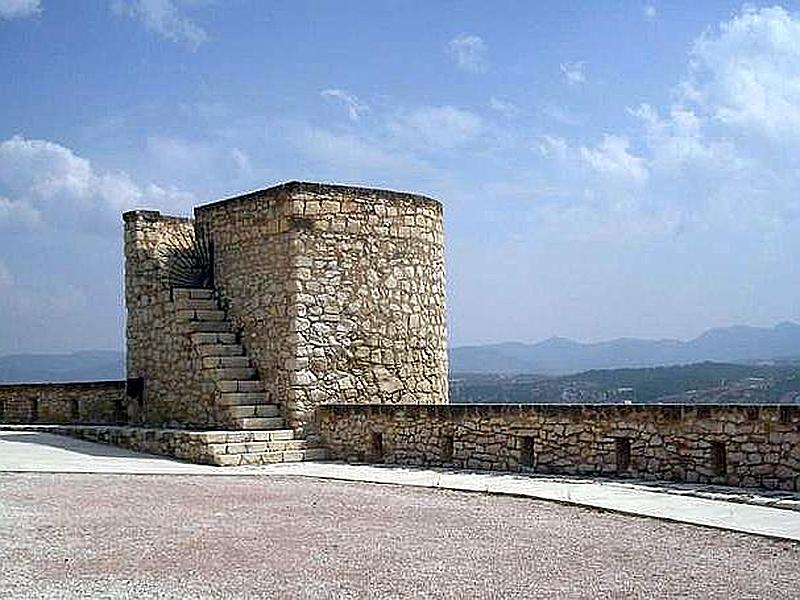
{"type": "Point", "coordinates": [120, 536]}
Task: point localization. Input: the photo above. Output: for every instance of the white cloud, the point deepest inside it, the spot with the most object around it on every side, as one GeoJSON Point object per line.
{"type": "Point", "coordinates": [355, 108]}
{"type": "Point", "coordinates": [163, 18]}
{"type": "Point", "coordinates": [612, 158]}
{"type": "Point", "coordinates": [18, 215]}
{"type": "Point", "coordinates": [746, 75]}
{"type": "Point", "coordinates": [469, 52]}
{"type": "Point", "coordinates": [45, 182]}
{"type": "Point", "coordinates": [574, 72]}
{"type": "Point", "coordinates": [438, 126]}
{"type": "Point", "coordinates": [721, 160]}
{"type": "Point", "coordinates": [505, 108]}
{"type": "Point", "coordinates": [597, 180]}
{"type": "Point", "coordinates": [19, 9]}
{"type": "Point", "coordinates": [650, 12]}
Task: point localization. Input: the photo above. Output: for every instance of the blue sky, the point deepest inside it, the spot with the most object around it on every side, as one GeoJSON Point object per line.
{"type": "Point", "coordinates": [607, 168]}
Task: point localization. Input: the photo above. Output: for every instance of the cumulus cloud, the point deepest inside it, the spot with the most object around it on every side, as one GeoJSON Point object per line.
{"type": "Point", "coordinates": [164, 18]}
{"type": "Point", "coordinates": [722, 157]}
{"type": "Point", "coordinates": [355, 108]}
{"type": "Point", "coordinates": [438, 126]}
{"type": "Point", "coordinates": [19, 9]}
{"type": "Point", "coordinates": [747, 73]}
{"type": "Point", "coordinates": [611, 158]}
{"type": "Point", "coordinates": [469, 53]}
{"type": "Point", "coordinates": [573, 72]}
{"type": "Point", "coordinates": [46, 183]}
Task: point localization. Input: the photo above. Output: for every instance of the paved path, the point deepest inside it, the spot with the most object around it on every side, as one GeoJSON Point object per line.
{"type": "Point", "coordinates": [32, 452]}
{"type": "Point", "coordinates": [43, 452]}
{"type": "Point", "coordinates": [65, 536]}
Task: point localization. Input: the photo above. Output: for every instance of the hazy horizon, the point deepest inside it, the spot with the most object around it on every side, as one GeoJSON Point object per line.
{"type": "Point", "coordinates": [591, 192]}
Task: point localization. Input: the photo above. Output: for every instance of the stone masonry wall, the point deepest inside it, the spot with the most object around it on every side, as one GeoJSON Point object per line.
{"type": "Point", "coordinates": [338, 291]}
{"type": "Point", "coordinates": [159, 348]}
{"type": "Point", "coordinates": [98, 402]}
{"type": "Point", "coordinates": [748, 446]}
{"type": "Point", "coordinates": [253, 278]}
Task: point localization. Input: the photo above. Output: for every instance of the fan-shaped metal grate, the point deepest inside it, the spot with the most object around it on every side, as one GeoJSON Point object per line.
{"type": "Point", "coordinates": [187, 259]}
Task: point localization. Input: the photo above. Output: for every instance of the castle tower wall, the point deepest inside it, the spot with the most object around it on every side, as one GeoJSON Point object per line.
{"type": "Point", "coordinates": [339, 293]}
{"type": "Point", "coordinates": [159, 349]}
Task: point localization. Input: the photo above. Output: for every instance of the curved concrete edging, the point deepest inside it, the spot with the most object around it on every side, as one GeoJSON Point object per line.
{"type": "Point", "coordinates": [718, 514]}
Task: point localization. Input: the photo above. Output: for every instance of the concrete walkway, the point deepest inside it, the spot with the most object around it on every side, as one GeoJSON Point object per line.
{"type": "Point", "coordinates": [43, 452]}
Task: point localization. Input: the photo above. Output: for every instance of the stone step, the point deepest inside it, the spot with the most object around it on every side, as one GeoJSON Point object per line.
{"type": "Point", "coordinates": [240, 386]}
{"type": "Point", "coordinates": [237, 436]}
{"type": "Point", "coordinates": [265, 458]}
{"type": "Point", "coordinates": [260, 423]}
{"type": "Point", "coordinates": [241, 411]}
{"type": "Point", "coordinates": [242, 398]}
{"type": "Point", "coordinates": [188, 293]}
{"type": "Point", "coordinates": [250, 447]}
{"type": "Point", "coordinates": [226, 362]}
{"type": "Point", "coordinates": [220, 350]}
{"type": "Point", "coordinates": [231, 373]}
{"type": "Point", "coordinates": [213, 338]}
{"type": "Point", "coordinates": [210, 326]}
{"type": "Point", "coordinates": [200, 315]}
{"type": "Point", "coordinates": [196, 304]}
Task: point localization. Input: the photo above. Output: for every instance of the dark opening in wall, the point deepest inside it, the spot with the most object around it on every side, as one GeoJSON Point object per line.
{"type": "Point", "coordinates": [134, 389]}
{"type": "Point", "coordinates": [446, 453]}
{"type": "Point", "coordinates": [526, 453]}
{"type": "Point", "coordinates": [376, 446]}
{"type": "Point", "coordinates": [785, 415]}
{"type": "Point", "coordinates": [34, 410]}
{"type": "Point", "coordinates": [719, 458]}
{"type": "Point", "coordinates": [2, 409]}
{"type": "Point", "coordinates": [622, 448]}
{"type": "Point", "coordinates": [74, 411]}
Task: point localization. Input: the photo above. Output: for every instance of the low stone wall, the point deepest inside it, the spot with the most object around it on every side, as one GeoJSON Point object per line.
{"type": "Point", "coordinates": [84, 402]}
{"type": "Point", "coordinates": [751, 446]}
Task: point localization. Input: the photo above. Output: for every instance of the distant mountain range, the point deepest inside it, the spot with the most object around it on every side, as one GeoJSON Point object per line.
{"type": "Point", "coordinates": [555, 356]}
{"type": "Point", "coordinates": [558, 356]}
{"type": "Point", "coordinates": [91, 365]}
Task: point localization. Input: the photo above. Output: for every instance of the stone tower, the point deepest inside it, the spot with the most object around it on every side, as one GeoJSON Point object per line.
{"type": "Point", "coordinates": [333, 294]}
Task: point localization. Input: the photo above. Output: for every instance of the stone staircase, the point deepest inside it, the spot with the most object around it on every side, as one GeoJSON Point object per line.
{"type": "Point", "coordinates": [258, 433]}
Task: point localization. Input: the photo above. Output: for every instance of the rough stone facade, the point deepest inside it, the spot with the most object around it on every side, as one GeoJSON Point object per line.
{"type": "Point", "coordinates": [159, 346]}
{"type": "Point", "coordinates": [734, 445]}
{"type": "Point", "coordinates": [90, 402]}
{"type": "Point", "coordinates": [338, 293]}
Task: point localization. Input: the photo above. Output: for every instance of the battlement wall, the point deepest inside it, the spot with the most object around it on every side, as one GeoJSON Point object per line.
{"type": "Point", "coordinates": [752, 446]}
{"type": "Point", "coordinates": [96, 402]}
